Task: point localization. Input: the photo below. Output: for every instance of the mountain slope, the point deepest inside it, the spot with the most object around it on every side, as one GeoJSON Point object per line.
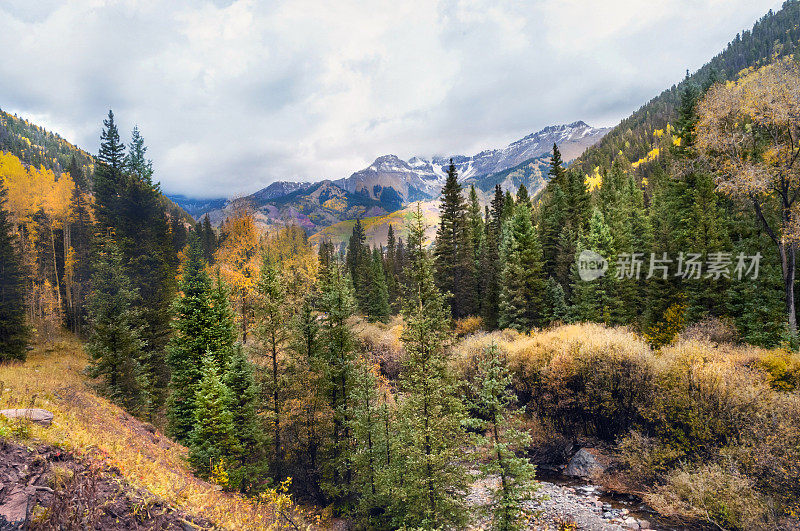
{"type": "Point", "coordinates": [774, 35]}
{"type": "Point", "coordinates": [53, 378]}
{"type": "Point", "coordinates": [320, 205]}
{"type": "Point", "coordinates": [396, 182]}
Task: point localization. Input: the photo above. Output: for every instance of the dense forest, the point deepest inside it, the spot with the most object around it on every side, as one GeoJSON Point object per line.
{"type": "Point", "coordinates": [647, 308]}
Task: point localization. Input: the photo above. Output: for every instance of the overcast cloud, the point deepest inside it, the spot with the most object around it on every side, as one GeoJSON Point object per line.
{"type": "Point", "coordinates": [231, 96]}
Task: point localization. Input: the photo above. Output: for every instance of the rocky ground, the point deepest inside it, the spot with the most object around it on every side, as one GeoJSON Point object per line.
{"type": "Point", "coordinates": [48, 488]}
{"type": "Point", "coordinates": [568, 507]}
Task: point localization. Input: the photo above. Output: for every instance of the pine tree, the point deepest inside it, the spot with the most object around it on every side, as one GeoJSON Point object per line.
{"type": "Point", "coordinates": [501, 434]}
{"type": "Point", "coordinates": [490, 262]}
{"type": "Point", "coordinates": [115, 345]}
{"type": "Point", "coordinates": [593, 300]}
{"type": "Point", "coordinates": [136, 161]}
{"type": "Point", "coordinates": [522, 279]}
{"type": "Point", "coordinates": [195, 333]}
{"type": "Point", "coordinates": [359, 263]}
{"type": "Point", "coordinates": [431, 414]}
{"type": "Point", "coordinates": [392, 276]}
{"type": "Point", "coordinates": [212, 441]}
{"type": "Point", "coordinates": [13, 330]}
{"type": "Point", "coordinates": [522, 196]}
{"type": "Point", "coordinates": [337, 303]}
{"type": "Point", "coordinates": [209, 239]}
{"type": "Point", "coordinates": [378, 309]}
{"type": "Point", "coordinates": [455, 266]}
{"type": "Point", "coordinates": [222, 333]}
{"type": "Point", "coordinates": [273, 331]}
{"type": "Point", "coordinates": [108, 178]}
{"type": "Point", "coordinates": [239, 378]}
{"type": "Point", "coordinates": [555, 302]}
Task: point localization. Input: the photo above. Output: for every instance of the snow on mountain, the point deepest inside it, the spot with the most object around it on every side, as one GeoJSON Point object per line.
{"type": "Point", "coordinates": [391, 180]}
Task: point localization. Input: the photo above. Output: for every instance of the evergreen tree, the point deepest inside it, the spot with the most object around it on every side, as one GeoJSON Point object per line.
{"type": "Point", "coordinates": [273, 319]}
{"type": "Point", "coordinates": [239, 378]}
{"type": "Point", "coordinates": [455, 266]}
{"type": "Point", "coordinates": [359, 260]}
{"type": "Point", "coordinates": [502, 434]}
{"type": "Point", "coordinates": [522, 279]}
{"type": "Point", "coordinates": [222, 333]}
{"type": "Point", "coordinates": [136, 161]}
{"type": "Point", "coordinates": [337, 303]}
{"type": "Point", "coordinates": [490, 262]}
{"type": "Point", "coordinates": [594, 299]}
{"type": "Point", "coordinates": [209, 239]}
{"type": "Point", "coordinates": [196, 332]}
{"type": "Point", "coordinates": [212, 441]}
{"type": "Point", "coordinates": [555, 302]}
{"type": "Point", "coordinates": [522, 196]}
{"type": "Point", "coordinates": [115, 345]}
{"type": "Point", "coordinates": [508, 207]}
{"type": "Point", "coordinates": [13, 330]}
{"type": "Point", "coordinates": [378, 309]}
{"type": "Point", "coordinates": [108, 178]}
{"type": "Point", "coordinates": [431, 414]}
{"type": "Point", "coordinates": [392, 275]}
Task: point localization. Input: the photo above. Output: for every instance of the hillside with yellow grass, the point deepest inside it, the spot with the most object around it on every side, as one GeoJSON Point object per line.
{"type": "Point", "coordinates": [89, 426]}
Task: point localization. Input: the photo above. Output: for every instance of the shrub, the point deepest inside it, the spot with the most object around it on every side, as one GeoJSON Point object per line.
{"type": "Point", "coordinates": [468, 325]}
{"type": "Point", "coordinates": [712, 330]}
{"type": "Point", "coordinates": [719, 496]}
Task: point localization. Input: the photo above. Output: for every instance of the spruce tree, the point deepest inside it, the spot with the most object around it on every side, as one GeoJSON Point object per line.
{"type": "Point", "coordinates": [273, 331]}
{"type": "Point", "coordinates": [212, 441]}
{"type": "Point", "coordinates": [555, 302]}
{"type": "Point", "coordinates": [191, 340]}
{"type": "Point", "coordinates": [378, 308]}
{"type": "Point", "coordinates": [136, 161]}
{"type": "Point", "coordinates": [502, 435]}
{"type": "Point", "coordinates": [115, 344]}
{"type": "Point", "coordinates": [13, 330]}
{"type": "Point", "coordinates": [490, 262]}
{"type": "Point", "coordinates": [392, 276]}
{"type": "Point", "coordinates": [359, 260]}
{"type": "Point", "coordinates": [594, 299]}
{"type": "Point", "coordinates": [455, 266]}
{"type": "Point", "coordinates": [337, 303]}
{"type": "Point", "coordinates": [430, 417]}
{"type": "Point", "coordinates": [108, 179]}
{"type": "Point", "coordinates": [522, 278]}
{"type": "Point", "coordinates": [239, 378]}
{"type": "Point", "coordinates": [522, 196]}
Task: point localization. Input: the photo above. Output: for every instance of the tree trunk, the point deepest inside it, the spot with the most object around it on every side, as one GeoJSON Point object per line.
{"type": "Point", "coordinates": [788, 263]}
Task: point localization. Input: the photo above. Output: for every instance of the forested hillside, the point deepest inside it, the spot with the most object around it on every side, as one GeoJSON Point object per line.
{"type": "Point", "coordinates": [775, 35]}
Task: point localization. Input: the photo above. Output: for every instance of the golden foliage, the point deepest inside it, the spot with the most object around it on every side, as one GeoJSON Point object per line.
{"type": "Point", "coordinates": [53, 378]}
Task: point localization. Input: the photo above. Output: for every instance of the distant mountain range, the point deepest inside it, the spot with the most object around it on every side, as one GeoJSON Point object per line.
{"type": "Point", "coordinates": [390, 183]}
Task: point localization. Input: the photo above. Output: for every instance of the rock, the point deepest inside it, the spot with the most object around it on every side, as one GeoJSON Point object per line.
{"type": "Point", "coordinates": [584, 464]}
{"type": "Point", "coordinates": [644, 524]}
{"type": "Point", "coordinates": [39, 416]}
{"type": "Point", "coordinates": [14, 510]}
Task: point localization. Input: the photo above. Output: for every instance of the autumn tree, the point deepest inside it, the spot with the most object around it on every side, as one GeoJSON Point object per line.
{"type": "Point", "coordinates": [239, 258]}
{"type": "Point", "coordinates": [749, 132]}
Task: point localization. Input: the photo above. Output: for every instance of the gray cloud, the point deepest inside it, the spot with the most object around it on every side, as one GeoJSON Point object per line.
{"type": "Point", "coordinates": [232, 95]}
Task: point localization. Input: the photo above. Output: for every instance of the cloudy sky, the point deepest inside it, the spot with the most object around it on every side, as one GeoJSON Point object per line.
{"type": "Point", "coordinates": [232, 95]}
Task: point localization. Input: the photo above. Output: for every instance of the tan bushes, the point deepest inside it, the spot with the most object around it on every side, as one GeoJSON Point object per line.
{"type": "Point", "coordinates": [382, 342]}
{"type": "Point", "coordinates": [710, 428]}
{"type": "Point", "coordinates": [712, 330]}
{"type": "Point", "coordinates": [714, 494]}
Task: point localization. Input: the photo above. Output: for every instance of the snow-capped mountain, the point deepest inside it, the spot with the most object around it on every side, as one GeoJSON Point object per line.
{"type": "Point", "coordinates": [389, 183]}
{"type": "Point", "coordinates": [392, 180]}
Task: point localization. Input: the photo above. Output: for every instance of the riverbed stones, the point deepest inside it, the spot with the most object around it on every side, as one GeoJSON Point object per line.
{"type": "Point", "coordinates": [585, 464]}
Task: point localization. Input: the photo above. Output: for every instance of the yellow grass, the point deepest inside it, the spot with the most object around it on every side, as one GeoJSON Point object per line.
{"type": "Point", "coordinates": [52, 378]}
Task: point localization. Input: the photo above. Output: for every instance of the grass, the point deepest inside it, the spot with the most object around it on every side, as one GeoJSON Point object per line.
{"type": "Point", "coordinates": [377, 227]}
{"type": "Point", "coordinates": [52, 378]}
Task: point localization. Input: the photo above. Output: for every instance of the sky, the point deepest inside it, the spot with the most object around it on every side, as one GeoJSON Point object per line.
{"type": "Point", "coordinates": [233, 95]}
